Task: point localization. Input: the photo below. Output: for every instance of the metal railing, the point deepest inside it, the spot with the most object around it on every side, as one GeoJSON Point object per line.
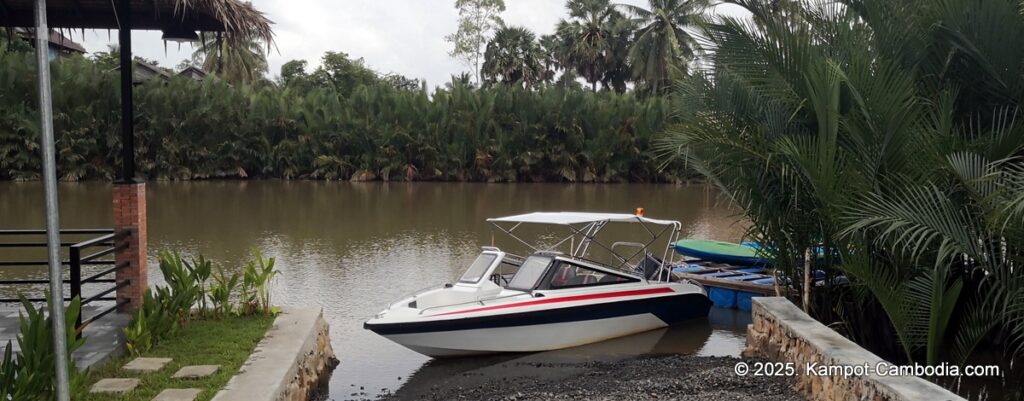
{"type": "Point", "coordinates": [95, 252]}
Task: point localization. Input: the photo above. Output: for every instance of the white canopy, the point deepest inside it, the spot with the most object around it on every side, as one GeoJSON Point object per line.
{"type": "Point", "coordinates": [568, 218]}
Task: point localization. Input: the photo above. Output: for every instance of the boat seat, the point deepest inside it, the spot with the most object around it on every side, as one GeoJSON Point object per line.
{"type": "Point", "coordinates": [609, 278]}
{"type": "Point", "coordinates": [582, 279]}
{"type": "Point", "coordinates": [563, 275]}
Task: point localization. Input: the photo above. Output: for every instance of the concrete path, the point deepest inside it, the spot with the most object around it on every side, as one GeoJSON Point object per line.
{"type": "Point", "coordinates": [104, 338]}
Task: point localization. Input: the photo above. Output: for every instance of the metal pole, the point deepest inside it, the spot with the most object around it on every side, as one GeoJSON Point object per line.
{"type": "Point", "coordinates": [124, 36]}
{"type": "Point", "coordinates": [50, 190]}
{"type": "Point", "coordinates": [75, 256]}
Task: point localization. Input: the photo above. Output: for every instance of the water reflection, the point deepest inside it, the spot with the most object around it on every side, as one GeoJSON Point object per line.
{"type": "Point", "coordinates": [683, 338]}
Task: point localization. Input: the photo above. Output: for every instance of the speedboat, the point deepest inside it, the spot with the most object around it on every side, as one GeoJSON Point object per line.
{"type": "Point", "coordinates": [549, 299]}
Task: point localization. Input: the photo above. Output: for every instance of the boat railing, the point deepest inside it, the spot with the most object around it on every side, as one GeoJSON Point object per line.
{"type": "Point", "coordinates": [478, 301]}
{"type": "Point", "coordinates": [630, 271]}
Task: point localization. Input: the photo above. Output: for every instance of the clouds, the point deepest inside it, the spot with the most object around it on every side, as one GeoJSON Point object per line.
{"type": "Point", "coordinates": [400, 36]}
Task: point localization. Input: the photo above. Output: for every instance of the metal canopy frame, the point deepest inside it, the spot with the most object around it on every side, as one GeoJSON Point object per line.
{"type": "Point", "coordinates": [587, 235]}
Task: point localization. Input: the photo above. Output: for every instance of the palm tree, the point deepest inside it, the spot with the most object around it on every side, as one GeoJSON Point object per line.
{"type": "Point", "coordinates": [236, 60]}
{"type": "Point", "coordinates": [618, 69]}
{"type": "Point", "coordinates": [588, 38]}
{"type": "Point", "coordinates": [664, 42]}
{"type": "Point", "coordinates": [513, 56]}
{"type": "Point", "coordinates": [551, 48]}
{"type": "Point", "coordinates": [888, 135]}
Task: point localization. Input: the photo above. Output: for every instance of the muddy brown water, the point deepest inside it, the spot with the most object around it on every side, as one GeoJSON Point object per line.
{"type": "Point", "coordinates": [351, 248]}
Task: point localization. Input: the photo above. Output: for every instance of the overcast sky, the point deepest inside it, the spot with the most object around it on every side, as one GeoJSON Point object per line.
{"type": "Point", "coordinates": [400, 36]}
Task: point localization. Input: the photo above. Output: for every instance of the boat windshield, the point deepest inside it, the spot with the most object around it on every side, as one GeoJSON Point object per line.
{"type": "Point", "coordinates": [478, 268]}
{"type": "Point", "coordinates": [530, 273]}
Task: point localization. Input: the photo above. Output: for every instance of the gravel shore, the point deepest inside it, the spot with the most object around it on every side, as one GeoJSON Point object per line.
{"type": "Point", "coordinates": [669, 377]}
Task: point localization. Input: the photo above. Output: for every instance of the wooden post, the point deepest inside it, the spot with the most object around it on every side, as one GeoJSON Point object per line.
{"type": "Point", "coordinates": [807, 281]}
{"type": "Point", "coordinates": [775, 282]}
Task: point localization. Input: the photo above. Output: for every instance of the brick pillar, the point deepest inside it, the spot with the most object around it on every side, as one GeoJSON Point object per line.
{"type": "Point", "coordinates": [130, 215]}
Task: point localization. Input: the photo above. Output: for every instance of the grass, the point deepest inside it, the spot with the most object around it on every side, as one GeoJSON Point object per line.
{"type": "Point", "coordinates": [226, 342]}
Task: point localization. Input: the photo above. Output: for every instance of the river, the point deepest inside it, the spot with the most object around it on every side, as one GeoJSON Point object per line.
{"type": "Point", "coordinates": [351, 248]}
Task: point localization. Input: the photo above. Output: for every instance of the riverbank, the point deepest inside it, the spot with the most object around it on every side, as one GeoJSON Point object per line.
{"type": "Point", "coordinates": [676, 377]}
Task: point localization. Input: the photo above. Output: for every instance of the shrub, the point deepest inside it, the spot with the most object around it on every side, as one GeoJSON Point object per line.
{"type": "Point", "coordinates": [224, 284]}
{"type": "Point", "coordinates": [30, 374]}
{"type": "Point", "coordinates": [256, 280]}
{"type": "Point", "coordinates": [167, 308]}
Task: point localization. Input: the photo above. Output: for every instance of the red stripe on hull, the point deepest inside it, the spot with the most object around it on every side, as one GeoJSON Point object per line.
{"type": "Point", "coordinates": [616, 294]}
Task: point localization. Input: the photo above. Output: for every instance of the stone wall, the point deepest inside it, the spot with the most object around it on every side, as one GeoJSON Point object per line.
{"type": "Point", "coordinates": [781, 332]}
{"type": "Point", "coordinates": [291, 363]}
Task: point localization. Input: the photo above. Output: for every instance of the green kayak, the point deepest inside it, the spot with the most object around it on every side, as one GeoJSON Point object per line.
{"type": "Point", "coordinates": [721, 252]}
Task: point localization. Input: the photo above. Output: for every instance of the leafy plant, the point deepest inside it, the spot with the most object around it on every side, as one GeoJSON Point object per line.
{"type": "Point", "coordinates": [256, 281]}
{"type": "Point", "coordinates": [888, 134]}
{"type": "Point", "coordinates": [30, 374]}
{"type": "Point", "coordinates": [200, 270]}
{"type": "Point", "coordinates": [138, 337]}
{"type": "Point", "coordinates": [184, 287]}
{"type": "Point", "coordinates": [165, 309]}
{"type": "Point", "coordinates": [224, 285]}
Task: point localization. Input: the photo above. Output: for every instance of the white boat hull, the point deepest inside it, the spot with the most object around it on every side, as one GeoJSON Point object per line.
{"type": "Point", "coordinates": [532, 338]}
{"type": "Point", "coordinates": [532, 324]}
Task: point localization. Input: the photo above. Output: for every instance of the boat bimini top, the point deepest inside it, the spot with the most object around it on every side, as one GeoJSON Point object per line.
{"type": "Point", "coordinates": [583, 229]}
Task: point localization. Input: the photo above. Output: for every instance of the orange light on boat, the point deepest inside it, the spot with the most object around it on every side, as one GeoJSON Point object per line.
{"type": "Point", "coordinates": [640, 211]}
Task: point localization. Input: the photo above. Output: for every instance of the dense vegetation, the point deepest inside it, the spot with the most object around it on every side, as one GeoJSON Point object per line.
{"type": "Point", "coordinates": [338, 122]}
{"type": "Point", "coordinates": [526, 118]}
{"type": "Point", "coordinates": [888, 135]}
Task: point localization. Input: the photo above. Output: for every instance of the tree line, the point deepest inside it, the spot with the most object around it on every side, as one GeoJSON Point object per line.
{"type": "Point", "coordinates": [341, 121]}
{"type": "Point", "coordinates": [618, 46]}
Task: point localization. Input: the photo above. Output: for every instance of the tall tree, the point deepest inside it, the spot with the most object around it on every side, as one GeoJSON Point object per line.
{"type": "Point", "coordinates": [477, 20]}
{"type": "Point", "coordinates": [664, 42]}
{"type": "Point", "coordinates": [588, 38]}
{"type": "Point", "coordinates": [402, 82]}
{"type": "Point", "coordinates": [234, 59]}
{"type": "Point", "coordinates": [292, 70]}
{"type": "Point", "coordinates": [344, 74]}
{"type": "Point", "coordinates": [617, 68]}
{"type": "Point", "coordinates": [513, 57]}
{"type": "Point", "coordinates": [109, 59]}
{"type": "Point", "coordinates": [550, 47]}
{"type": "Point", "coordinates": [293, 75]}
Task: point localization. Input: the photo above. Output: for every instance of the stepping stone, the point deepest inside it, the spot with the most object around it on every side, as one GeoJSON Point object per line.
{"type": "Point", "coordinates": [146, 365]}
{"type": "Point", "coordinates": [196, 372]}
{"type": "Point", "coordinates": [178, 394]}
{"type": "Point", "coordinates": [114, 386]}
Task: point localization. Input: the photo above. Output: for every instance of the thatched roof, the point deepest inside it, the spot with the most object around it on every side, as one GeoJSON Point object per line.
{"type": "Point", "coordinates": [237, 18]}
